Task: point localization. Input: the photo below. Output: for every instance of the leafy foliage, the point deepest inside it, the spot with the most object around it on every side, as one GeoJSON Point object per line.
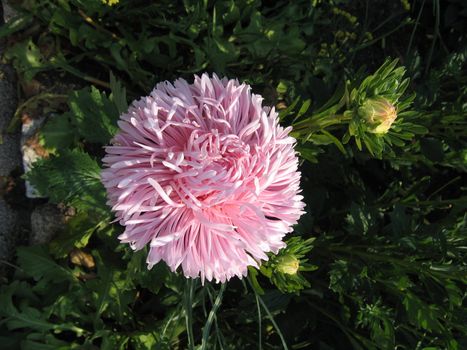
{"type": "Point", "coordinates": [378, 261]}
{"type": "Point", "coordinates": [92, 117]}
{"type": "Point", "coordinates": [71, 177]}
{"type": "Point", "coordinates": [285, 269]}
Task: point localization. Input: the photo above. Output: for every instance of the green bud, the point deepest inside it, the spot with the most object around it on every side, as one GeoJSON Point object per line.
{"type": "Point", "coordinates": [379, 114]}
{"type": "Point", "coordinates": [288, 264]}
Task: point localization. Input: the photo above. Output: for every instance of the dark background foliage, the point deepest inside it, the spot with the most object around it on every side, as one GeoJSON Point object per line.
{"type": "Point", "coordinates": [390, 234]}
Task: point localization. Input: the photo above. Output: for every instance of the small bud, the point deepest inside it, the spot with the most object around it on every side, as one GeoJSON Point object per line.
{"type": "Point", "coordinates": [288, 264]}
{"type": "Point", "coordinates": [379, 113]}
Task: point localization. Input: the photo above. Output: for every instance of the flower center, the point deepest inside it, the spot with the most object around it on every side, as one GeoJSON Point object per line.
{"type": "Point", "coordinates": [213, 167]}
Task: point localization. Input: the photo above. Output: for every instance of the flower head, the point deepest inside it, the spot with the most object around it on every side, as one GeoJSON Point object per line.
{"type": "Point", "coordinates": [205, 175]}
{"type": "Point", "coordinates": [379, 113]}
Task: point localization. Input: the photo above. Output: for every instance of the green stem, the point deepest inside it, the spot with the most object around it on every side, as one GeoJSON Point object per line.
{"type": "Point", "coordinates": [97, 26]}
{"type": "Point", "coordinates": [219, 336]}
{"type": "Point", "coordinates": [260, 341]}
{"type": "Point", "coordinates": [188, 301]}
{"type": "Point", "coordinates": [319, 122]}
{"type": "Point", "coordinates": [271, 318]}
{"type": "Point", "coordinates": [211, 316]}
{"type": "Point", "coordinates": [172, 316]}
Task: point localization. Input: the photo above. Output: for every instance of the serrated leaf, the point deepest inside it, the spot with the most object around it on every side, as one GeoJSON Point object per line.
{"type": "Point", "coordinates": [37, 263]}
{"type": "Point", "coordinates": [72, 177]}
{"type": "Point", "coordinates": [95, 115]}
{"type": "Point", "coordinates": [58, 133]}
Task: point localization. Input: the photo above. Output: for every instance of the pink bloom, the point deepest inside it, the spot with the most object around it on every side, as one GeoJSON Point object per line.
{"type": "Point", "coordinates": [205, 175]}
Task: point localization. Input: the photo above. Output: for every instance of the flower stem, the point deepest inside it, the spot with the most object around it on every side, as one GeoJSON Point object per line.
{"type": "Point", "coordinates": [271, 318]}
{"type": "Point", "coordinates": [188, 301]}
{"type": "Point", "coordinates": [260, 341]}
{"type": "Point", "coordinates": [319, 122]}
{"type": "Point", "coordinates": [211, 316]}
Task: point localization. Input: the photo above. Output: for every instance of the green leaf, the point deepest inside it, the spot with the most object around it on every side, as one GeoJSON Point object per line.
{"type": "Point", "coordinates": [335, 141]}
{"type": "Point", "coordinates": [114, 341]}
{"type": "Point", "coordinates": [378, 319]}
{"type": "Point", "coordinates": [15, 24]}
{"type": "Point", "coordinates": [303, 109]}
{"type": "Point", "coordinates": [118, 96]}
{"type": "Point", "coordinates": [25, 316]}
{"type": "Point", "coordinates": [27, 58]}
{"type": "Point", "coordinates": [72, 177]}
{"type": "Point", "coordinates": [138, 272]}
{"type": "Point", "coordinates": [414, 128]}
{"type": "Point", "coordinates": [58, 133]}
{"type": "Point", "coordinates": [37, 263]}
{"type": "Point", "coordinates": [422, 315]}
{"type": "Point", "coordinates": [95, 115]}
{"type": "Point", "coordinates": [79, 229]}
{"type": "Point", "coordinates": [285, 112]}
{"type": "Point", "coordinates": [112, 291]}
{"type": "Point", "coordinates": [361, 220]}
{"type": "Point", "coordinates": [103, 288]}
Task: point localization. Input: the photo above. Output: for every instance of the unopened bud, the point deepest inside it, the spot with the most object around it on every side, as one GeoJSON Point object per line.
{"type": "Point", "coordinates": [379, 114]}
{"type": "Point", "coordinates": [288, 264]}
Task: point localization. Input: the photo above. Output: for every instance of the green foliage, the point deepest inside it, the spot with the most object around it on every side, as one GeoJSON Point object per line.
{"type": "Point", "coordinates": [285, 269]}
{"type": "Point", "coordinates": [73, 178]}
{"type": "Point", "coordinates": [26, 58]}
{"type": "Point", "coordinates": [351, 104]}
{"type": "Point", "coordinates": [379, 259]}
{"type": "Point", "coordinates": [92, 117]}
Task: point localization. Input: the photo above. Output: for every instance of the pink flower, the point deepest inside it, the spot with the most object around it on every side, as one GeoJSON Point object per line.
{"type": "Point", "coordinates": [205, 175]}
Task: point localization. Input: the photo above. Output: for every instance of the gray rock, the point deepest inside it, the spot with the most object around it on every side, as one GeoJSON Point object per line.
{"type": "Point", "coordinates": [46, 221]}
{"type": "Point", "coordinates": [8, 93]}
{"type": "Point", "coordinates": [8, 218]}
{"type": "Point", "coordinates": [10, 154]}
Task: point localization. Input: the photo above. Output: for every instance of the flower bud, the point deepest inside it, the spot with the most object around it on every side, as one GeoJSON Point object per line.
{"type": "Point", "coordinates": [288, 264]}
{"type": "Point", "coordinates": [379, 114]}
